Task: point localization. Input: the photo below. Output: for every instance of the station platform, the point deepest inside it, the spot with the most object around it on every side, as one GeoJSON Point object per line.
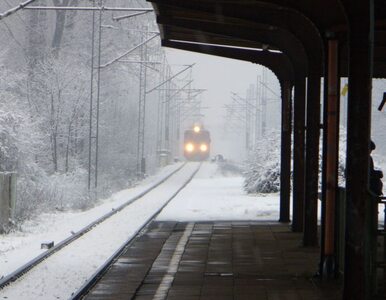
{"type": "Point", "coordinates": [216, 261]}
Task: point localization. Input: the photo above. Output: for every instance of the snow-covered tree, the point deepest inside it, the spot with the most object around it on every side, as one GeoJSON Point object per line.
{"type": "Point", "coordinates": [45, 101]}
{"type": "Point", "coordinates": [262, 173]}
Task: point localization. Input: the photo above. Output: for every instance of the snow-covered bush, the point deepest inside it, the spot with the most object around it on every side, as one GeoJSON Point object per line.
{"type": "Point", "coordinates": [262, 173]}
{"type": "Point", "coordinates": [68, 190]}
{"type": "Point", "coordinates": [342, 157]}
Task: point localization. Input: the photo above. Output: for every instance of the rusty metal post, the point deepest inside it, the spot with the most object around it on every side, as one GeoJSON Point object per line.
{"type": "Point", "coordinates": [332, 128]}
{"type": "Point", "coordinates": [310, 236]}
{"type": "Point", "coordinates": [357, 279]}
{"type": "Point", "coordinates": [298, 164]}
{"type": "Point", "coordinates": [285, 161]}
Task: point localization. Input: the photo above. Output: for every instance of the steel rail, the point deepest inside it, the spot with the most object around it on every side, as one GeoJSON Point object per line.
{"type": "Point", "coordinates": [93, 280]}
{"type": "Point", "coordinates": [8, 279]}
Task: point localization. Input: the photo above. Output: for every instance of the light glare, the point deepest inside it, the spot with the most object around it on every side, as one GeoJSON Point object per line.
{"type": "Point", "coordinates": [196, 129]}
{"type": "Point", "coordinates": [189, 147]}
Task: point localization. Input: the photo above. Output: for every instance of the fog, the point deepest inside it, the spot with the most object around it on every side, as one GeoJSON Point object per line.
{"type": "Point", "coordinates": [221, 76]}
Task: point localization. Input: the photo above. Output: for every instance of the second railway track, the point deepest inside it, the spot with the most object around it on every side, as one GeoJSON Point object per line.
{"type": "Point", "coordinates": [83, 290]}
{"type": "Point", "coordinates": [185, 172]}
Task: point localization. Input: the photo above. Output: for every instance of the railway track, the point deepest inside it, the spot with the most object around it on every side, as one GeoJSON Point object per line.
{"type": "Point", "coordinates": [24, 269]}
{"type": "Point", "coordinates": [83, 290]}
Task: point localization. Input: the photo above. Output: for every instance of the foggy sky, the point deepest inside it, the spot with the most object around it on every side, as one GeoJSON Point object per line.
{"type": "Point", "coordinates": [219, 76]}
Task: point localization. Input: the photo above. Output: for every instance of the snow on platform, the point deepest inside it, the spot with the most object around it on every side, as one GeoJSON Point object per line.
{"type": "Point", "coordinates": [212, 195]}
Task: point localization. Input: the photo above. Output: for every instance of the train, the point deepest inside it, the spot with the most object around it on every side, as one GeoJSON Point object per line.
{"type": "Point", "coordinates": [196, 143]}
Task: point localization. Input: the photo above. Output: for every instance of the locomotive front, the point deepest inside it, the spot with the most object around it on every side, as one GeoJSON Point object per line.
{"type": "Point", "coordinates": [196, 144]}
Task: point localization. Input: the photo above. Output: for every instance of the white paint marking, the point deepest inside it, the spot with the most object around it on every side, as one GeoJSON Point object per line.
{"type": "Point", "coordinates": [167, 280]}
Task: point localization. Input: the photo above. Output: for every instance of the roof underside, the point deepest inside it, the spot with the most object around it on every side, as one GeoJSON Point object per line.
{"type": "Point", "coordinates": [287, 30]}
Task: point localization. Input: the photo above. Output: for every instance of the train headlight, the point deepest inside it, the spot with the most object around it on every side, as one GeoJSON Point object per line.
{"type": "Point", "coordinates": [196, 129]}
{"type": "Point", "coordinates": [203, 148]}
{"type": "Point", "coordinates": [189, 147]}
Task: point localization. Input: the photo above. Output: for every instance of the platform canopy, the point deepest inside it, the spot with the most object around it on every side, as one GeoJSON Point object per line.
{"type": "Point", "coordinates": [209, 26]}
{"type": "Point", "coordinates": [299, 39]}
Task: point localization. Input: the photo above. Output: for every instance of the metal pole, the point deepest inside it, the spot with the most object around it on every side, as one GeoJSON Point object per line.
{"type": "Point", "coordinates": [298, 168]}
{"type": "Point", "coordinates": [158, 113]}
{"type": "Point", "coordinates": [310, 236]}
{"type": "Point", "coordinates": [143, 160]}
{"type": "Point", "coordinates": [285, 162]}
{"type": "Point", "coordinates": [172, 116]}
{"type": "Point", "coordinates": [162, 105]}
{"type": "Point", "coordinates": [167, 112]}
{"type": "Point", "coordinates": [357, 273]}
{"type": "Point", "coordinates": [246, 123]}
{"type": "Point", "coordinates": [98, 99]}
{"type": "Point", "coordinates": [264, 105]}
{"type": "Point", "coordinates": [257, 111]}
{"type": "Point", "coordinates": [139, 155]}
{"type": "Point", "coordinates": [91, 99]}
{"type": "Point", "coordinates": [178, 130]}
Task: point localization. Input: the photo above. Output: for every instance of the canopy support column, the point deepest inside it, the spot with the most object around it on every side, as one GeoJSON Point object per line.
{"type": "Point", "coordinates": [298, 164]}
{"type": "Point", "coordinates": [310, 236]}
{"type": "Point", "coordinates": [285, 162]}
{"type": "Point", "coordinates": [357, 280]}
{"type": "Point", "coordinates": [332, 138]}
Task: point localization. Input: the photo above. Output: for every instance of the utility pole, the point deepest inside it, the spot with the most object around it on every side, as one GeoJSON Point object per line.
{"type": "Point", "coordinates": [249, 116]}
{"type": "Point", "coordinates": [167, 112]}
{"type": "Point", "coordinates": [257, 110]}
{"type": "Point", "coordinates": [95, 81]}
{"type": "Point", "coordinates": [160, 114]}
{"type": "Point", "coordinates": [141, 159]}
{"type": "Point", "coordinates": [264, 105]}
{"type": "Point", "coordinates": [243, 109]}
{"type": "Point", "coordinates": [96, 43]}
{"type": "Point", "coordinates": [169, 120]}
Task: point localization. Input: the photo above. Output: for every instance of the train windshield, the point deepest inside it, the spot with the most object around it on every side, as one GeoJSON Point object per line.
{"type": "Point", "coordinates": [202, 136]}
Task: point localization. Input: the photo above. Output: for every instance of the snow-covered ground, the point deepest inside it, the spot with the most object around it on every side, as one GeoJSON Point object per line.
{"type": "Point", "coordinates": [19, 247]}
{"type": "Point", "coordinates": [64, 272]}
{"type": "Point", "coordinates": [213, 196]}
